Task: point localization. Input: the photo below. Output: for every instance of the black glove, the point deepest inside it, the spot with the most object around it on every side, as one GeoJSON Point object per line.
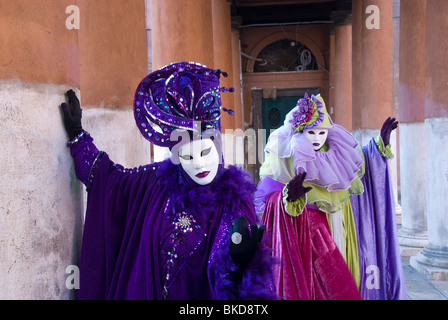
{"type": "Point", "coordinates": [295, 187]}
{"type": "Point", "coordinates": [72, 115]}
{"type": "Point", "coordinates": [242, 243]}
{"type": "Point", "coordinates": [388, 126]}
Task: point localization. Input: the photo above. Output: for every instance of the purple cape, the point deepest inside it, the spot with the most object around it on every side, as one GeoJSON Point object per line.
{"type": "Point", "coordinates": [150, 235]}
{"type": "Point", "coordinates": [382, 276]}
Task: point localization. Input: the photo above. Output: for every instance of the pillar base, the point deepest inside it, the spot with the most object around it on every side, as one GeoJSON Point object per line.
{"type": "Point", "coordinates": [399, 216]}
{"type": "Point", "coordinates": [432, 262]}
{"type": "Point", "coordinates": [411, 241]}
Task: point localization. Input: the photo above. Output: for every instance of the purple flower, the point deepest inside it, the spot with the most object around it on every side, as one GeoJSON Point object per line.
{"type": "Point", "coordinates": [307, 116]}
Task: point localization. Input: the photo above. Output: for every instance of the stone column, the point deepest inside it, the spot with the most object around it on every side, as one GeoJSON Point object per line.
{"type": "Point", "coordinates": [331, 76]}
{"type": "Point", "coordinates": [375, 69]}
{"type": "Point", "coordinates": [373, 83]}
{"type": "Point", "coordinates": [51, 46]}
{"type": "Point", "coordinates": [343, 71]}
{"type": "Point", "coordinates": [432, 261]}
{"type": "Point", "coordinates": [113, 61]}
{"type": "Point", "coordinates": [40, 200]}
{"type": "Point", "coordinates": [413, 235]}
{"type": "Point", "coordinates": [222, 56]}
{"type": "Point", "coordinates": [236, 73]}
{"type": "Point", "coordinates": [357, 29]}
{"type": "Point", "coordinates": [182, 31]}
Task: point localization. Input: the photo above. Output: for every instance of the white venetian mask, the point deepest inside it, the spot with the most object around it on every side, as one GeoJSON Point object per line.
{"type": "Point", "coordinates": [200, 160]}
{"type": "Point", "coordinates": [317, 136]}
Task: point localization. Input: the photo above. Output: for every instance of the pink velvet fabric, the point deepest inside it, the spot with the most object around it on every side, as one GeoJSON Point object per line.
{"type": "Point", "coordinates": [310, 265]}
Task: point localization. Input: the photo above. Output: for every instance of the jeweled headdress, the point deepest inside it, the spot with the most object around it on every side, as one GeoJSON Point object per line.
{"type": "Point", "coordinates": [180, 95]}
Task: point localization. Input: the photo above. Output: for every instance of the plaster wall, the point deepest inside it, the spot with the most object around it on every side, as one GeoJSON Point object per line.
{"type": "Point", "coordinates": [125, 145]}
{"type": "Point", "coordinates": [41, 208]}
{"type": "Point", "coordinates": [41, 202]}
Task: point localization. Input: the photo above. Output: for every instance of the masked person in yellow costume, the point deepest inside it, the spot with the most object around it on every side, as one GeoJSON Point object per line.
{"type": "Point", "coordinates": [328, 208]}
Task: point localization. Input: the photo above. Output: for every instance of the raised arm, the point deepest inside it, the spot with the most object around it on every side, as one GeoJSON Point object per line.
{"type": "Point", "coordinates": [383, 140]}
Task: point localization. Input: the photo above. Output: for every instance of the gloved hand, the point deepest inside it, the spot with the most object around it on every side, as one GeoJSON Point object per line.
{"type": "Point", "coordinates": [388, 126]}
{"type": "Point", "coordinates": [72, 115]}
{"type": "Point", "coordinates": [295, 187]}
{"type": "Point", "coordinates": [242, 243]}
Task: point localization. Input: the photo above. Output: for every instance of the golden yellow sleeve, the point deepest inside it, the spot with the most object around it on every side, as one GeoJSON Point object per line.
{"type": "Point", "coordinates": [293, 208]}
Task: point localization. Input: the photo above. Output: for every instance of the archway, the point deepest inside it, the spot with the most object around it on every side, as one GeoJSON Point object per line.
{"type": "Point", "coordinates": [285, 55]}
{"type": "Point", "coordinates": [296, 38]}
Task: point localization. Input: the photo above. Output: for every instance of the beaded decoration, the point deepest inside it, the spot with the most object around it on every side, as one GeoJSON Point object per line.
{"type": "Point", "coordinates": [184, 224]}
{"type": "Point", "coordinates": [178, 96]}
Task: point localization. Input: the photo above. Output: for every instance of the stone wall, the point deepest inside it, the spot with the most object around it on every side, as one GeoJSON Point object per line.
{"type": "Point", "coordinates": [41, 202]}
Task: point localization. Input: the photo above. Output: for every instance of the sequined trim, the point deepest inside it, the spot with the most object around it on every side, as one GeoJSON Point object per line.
{"type": "Point", "coordinates": [184, 225]}
{"type": "Point", "coordinates": [148, 167]}
{"type": "Point", "coordinates": [78, 138]}
{"type": "Point", "coordinates": [184, 222]}
{"type": "Point", "coordinates": [222, 235]}
{"type": "Point", "coordinates": [93, 169]}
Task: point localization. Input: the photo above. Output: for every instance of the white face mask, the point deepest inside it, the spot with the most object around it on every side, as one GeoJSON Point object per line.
{"type": "Point", "coordinates": [317, 136]}
{"type": "Point", "coordinates": [200, 160]}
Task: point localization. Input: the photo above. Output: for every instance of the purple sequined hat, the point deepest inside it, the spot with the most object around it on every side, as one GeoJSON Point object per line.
{"type": "Point", "coordinates": [178, 96]}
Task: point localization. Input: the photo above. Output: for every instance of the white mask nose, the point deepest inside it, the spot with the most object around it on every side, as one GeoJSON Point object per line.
{"type": "Point", "coordinates": [199, 164]}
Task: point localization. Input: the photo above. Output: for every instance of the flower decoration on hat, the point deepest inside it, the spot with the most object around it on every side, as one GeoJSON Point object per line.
{"type": "Point", "coordinates": [181, 96]}
{"type": "Point", "coordinates": [310, 112]}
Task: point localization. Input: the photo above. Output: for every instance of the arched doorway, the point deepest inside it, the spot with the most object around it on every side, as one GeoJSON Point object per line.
{"type": "Point", "coordinates": [279, 69]}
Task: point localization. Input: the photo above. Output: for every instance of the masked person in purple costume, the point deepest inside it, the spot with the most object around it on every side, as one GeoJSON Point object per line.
{"type": "Point", "coordinates": [329, 210]}
{"type": "Point", "coordinates": [183, 228]}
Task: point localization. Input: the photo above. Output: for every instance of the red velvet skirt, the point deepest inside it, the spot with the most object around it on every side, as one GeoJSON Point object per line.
{"type": "Point", "coordinates": [310, 265]}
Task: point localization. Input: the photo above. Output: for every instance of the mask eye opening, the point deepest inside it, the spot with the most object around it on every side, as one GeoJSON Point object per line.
{"type": "Point", "coordinates": [205, 152]}
{"type": "Point", "coordinates": [186, 157]}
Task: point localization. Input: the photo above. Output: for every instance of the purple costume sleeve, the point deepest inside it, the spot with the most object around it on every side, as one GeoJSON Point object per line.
{"type": "Point", "coordinates": [266, 187]}
{"type": "Point", "coordinates": [85, 155]}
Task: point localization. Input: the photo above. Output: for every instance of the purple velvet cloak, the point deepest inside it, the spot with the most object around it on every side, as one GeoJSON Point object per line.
{"type": "Point", "coordinates": [382, 276]}
{"type": "Point", "coordinates": [134, 247]}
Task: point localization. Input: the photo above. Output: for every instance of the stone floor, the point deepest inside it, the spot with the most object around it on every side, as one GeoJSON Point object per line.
{"type": "Point", "coordinates": [420, 288]}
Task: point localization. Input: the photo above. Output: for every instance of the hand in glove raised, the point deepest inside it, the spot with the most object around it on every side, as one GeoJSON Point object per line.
{"type": "Point", "coordinates": [296, 190]}
{"type": "Point", "coordinates": [388, 126]}
{"type": "Point", "coordinates": [72, 115]}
